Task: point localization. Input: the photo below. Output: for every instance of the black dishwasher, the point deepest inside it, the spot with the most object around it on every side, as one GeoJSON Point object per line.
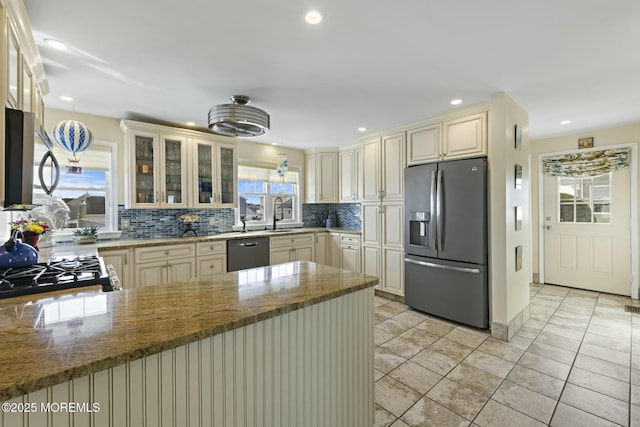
{"type": "Point", "coordinates": [247, 253]}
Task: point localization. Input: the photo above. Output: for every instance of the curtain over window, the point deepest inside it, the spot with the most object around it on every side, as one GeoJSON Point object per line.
{"type": "Point", "coordinates": [589, 163]}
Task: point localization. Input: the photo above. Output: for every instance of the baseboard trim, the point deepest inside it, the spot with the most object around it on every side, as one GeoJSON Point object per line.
{"type": "Point", "coordinates": [506, 332]}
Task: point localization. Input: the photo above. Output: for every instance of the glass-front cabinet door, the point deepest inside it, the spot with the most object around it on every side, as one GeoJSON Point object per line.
{"type": "Point", "coordinates": [204, 155]}
{"type": "Point", "coordinates": [227, 176]}
{"type": "Point", "coordinates": [144, 182]}
{"type": "Point", "coordinates": [173, 181]}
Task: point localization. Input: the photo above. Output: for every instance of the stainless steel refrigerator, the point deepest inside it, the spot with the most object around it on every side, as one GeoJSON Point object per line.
{"type": "Point", "coordinates": [446, 240]}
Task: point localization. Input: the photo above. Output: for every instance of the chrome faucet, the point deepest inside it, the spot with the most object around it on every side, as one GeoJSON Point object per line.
{"type": "Point", "coordinates": [275, 210]}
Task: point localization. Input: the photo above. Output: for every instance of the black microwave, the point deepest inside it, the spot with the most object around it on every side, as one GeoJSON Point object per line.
{"type": "Point", "coordinates": [18, 157]}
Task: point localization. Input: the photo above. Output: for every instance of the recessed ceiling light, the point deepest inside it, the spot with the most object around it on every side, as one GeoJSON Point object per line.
{"type": "Point", "coordinates": [190, 123]}
{"type": "Point", "coordinates": [66, 98]}
{"type": "Point", "coordinates": [456, 101]}
{"type": "Point", "coordinates": [274, 143]}
{"type": "Point", "coordinates": [362, 129]}
{"type": "Point", "coordinates": [313, 17]}
{"type": "Point", "coordinates": [565, 122]}
{"type": "Point", "coordinates": [56, 44]}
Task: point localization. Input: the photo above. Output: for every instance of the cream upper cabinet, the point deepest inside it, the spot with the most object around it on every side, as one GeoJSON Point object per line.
{"type": "Point", "coordinates": [465, 137]}
{"type": "Point", "coordinates": [350, 181]}
{"type": "Point", "coordinates": [177, 168]}
{"type": "Point", "coordinates": [371, 170]}
{"type": "Point", "coordinates": [321, 177]}
{"type": "Point", "coordinates": [383, 162]}
{"type": "Point", "coordinates": [456, 138]}
{"type": "Point", "coordinates": [393, 164]}
{"type": "Point", "coordinates": [214, 174]}
{"type": "Point", "coordinates": [424, 144]}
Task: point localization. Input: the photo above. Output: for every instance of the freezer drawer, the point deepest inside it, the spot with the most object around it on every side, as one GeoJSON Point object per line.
{"type": "Point", "coordinates": [452, 290]}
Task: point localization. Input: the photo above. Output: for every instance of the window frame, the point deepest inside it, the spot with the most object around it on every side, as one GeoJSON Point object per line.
{"type": "Point", "coordinates": [267, 221]}
{"type": "Point", "coordinates": [110, 230]}
{"type": "Point", "coordinates": [590, 201]}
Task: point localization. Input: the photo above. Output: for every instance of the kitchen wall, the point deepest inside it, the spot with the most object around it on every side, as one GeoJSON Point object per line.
{"type": "Point", "coordinates": [509, 289]}
{"type": "Point", "coordinates": [629, 134]}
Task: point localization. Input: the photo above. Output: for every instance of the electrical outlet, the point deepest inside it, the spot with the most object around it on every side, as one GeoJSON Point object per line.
{"type": "Point", "coordinates": [125, 224]}
{"type": "Point", "coordinates": [212, 221]}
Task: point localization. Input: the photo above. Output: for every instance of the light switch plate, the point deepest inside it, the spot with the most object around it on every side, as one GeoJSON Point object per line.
{"type": "Point", "coordinates": [125, 224]}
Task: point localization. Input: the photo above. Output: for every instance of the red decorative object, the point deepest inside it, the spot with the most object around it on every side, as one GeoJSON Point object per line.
{"type": "Point", "coordinates": [31, 239]}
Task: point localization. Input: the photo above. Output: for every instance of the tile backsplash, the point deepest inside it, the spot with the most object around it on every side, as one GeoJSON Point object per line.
{"type": "Point", "coordinates": [149, 223]}
{"type": "Point", "coordinates": [348, 214]}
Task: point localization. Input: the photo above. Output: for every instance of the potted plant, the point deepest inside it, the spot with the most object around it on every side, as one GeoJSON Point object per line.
{"type": "Point", "coordinates": [30, 230]}
{"type": "Point", "coordinates": [86, 234]}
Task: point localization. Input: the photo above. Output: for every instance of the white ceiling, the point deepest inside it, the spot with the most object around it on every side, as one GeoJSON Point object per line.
{"type": "Point", "coordinates": [373, 63]}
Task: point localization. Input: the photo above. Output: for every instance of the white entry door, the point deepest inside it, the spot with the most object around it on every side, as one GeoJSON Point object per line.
{"type": "Point", "coordinates": [587, 232]}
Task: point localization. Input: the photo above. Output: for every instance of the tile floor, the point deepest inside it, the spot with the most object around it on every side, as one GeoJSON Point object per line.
{"type": "Point", "coordinates": [576, 362]}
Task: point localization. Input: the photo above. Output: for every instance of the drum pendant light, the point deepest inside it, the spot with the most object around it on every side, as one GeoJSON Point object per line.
{"type": "Point", "coordinates": [238, 119]}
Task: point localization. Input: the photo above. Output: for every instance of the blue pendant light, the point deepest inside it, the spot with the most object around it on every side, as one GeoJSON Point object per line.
{"type": "Point", "coordinates": [74, 137]}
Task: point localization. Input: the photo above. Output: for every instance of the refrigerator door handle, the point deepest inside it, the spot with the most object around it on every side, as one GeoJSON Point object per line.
{"type": "Point", "coordinates": [439, 218]}
{"type": "Point", "coordinates": [432, 222]}
{"type": "Point", "coordinates": [442, 267]}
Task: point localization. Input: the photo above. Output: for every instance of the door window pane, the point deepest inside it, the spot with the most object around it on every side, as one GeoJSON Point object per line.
{"type": "Point", "coordinates": [585, 200]}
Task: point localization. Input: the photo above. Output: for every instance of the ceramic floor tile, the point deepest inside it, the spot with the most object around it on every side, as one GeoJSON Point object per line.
{"type": "Point", "coordinates": [427, 413]}
{"type": "Point", "coordinates": [393, 326]}
{"type": "Point", "coordinates": [635, 416]}
{"type": "Point", "coordinates": [554, 290]}
{"type": "Point", "coordinates": [619, 357]}
{"type": "Point", "coordinates": [520, 342]}
{"type": "Point", "coordinates": [573, 334]}
{"type": "Point", "coordinates": [389, 310]}
{"type": "Point", "coordinates": [465, 337]}
{"type": "Point", "coordinates": [597, 404]}
{"type": "Point", "coordinates": [558, 341]}
{"type": "Point", "coordinates": [554, 353]}
{"type": "Point", "coordinates": [419, 337]}
{"type": "Point", "coordinates": [475, 378]}
{"type": "Point", "coordinates": [386, 361]}
{"type": "Point", "coordinates": [383, 418]}
{"type": "Point", "coordinates": [394, 396]}
{"type": "Point", "coordinates": [635, 376]}
{"type": "Point", "coordinates": [536, 381]}
{"type": "Point", "coordinates": [410, 318]}
{"type": "Point", "coordinates": [621, 325]}
{"type": "Point", "coordinates": [436, 327]}
{"type": "Point", "coordinates": [434, 361]}
{"type": "Point", "coordinates": [568, 416]}
{"type": "Point", "coordinates": [526, 401]}
{"type": "Point", "coordinates": [609, 332]}
{"type": "Point", "coordinates": [489, 363]}
{"type": "Point", "coordinates": [501, 349]}
{"type": "Point", "coordinates": [415, 376]}
{"type": "Point", "coordinates": [546, 366]}
{"type": "Point", "coordinates": [600, 383]}
{"type": "Point", "coordinates": [400, 423]}
{"type": "Point", "coordinates": [635, 394]}
{"type": "Point", "coordinates": [458, 398]}
{"type": "Point", "coordinates": [377, 375]}
{"type": "Point", "coordinates": [402, 347]}
{"type": "Point", "coordinates": [527, 332]}
{"type": "Point", "coordinates": [380, 336]}
{"type": "Point", "coordinates": [451, 349]}
{"type": "Point", "coordinates": [603, 367]}
{"type": "Point", "coordinates": [564, 322]}
{"type": "Point", "coordinates": [379, 318]}
{"type": "Point", "coordinates": [495, 414]}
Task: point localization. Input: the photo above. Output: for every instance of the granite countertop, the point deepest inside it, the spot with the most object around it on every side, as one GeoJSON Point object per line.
{"type": "Point", "coordinates": [51, 338]}
{"type": "Point", "coordinates": [128, 243]}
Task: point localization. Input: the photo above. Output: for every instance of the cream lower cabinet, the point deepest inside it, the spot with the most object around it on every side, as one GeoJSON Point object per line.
{"type": "Point", "coordinates": [334, 249]}
{"type": "Point", "coordinates": [211, 258]}
{"type": "Point", "coordinates": [292, 248]}
{"type": "Point", "coordinates": [163, 264]}
{"type": "Point", "coordinates": [382, 245]}
{"type": "Point", "coordinates": [120, 260]}
{"type": "Point", "coordinates": [350, 252]}
{"type": "Point", "coordinates": [322, 255]}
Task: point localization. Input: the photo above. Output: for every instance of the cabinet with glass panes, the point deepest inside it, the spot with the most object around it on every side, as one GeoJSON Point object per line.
{"type": "Point", "coordinates": [214, 174]}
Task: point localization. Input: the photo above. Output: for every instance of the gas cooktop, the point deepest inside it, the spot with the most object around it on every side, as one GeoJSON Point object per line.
{"type": "Point", "coordinates": [54, 276]}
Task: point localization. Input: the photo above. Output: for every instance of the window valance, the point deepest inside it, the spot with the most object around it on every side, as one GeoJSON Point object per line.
{"type": "Point", "coordinates": [589, 163]}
